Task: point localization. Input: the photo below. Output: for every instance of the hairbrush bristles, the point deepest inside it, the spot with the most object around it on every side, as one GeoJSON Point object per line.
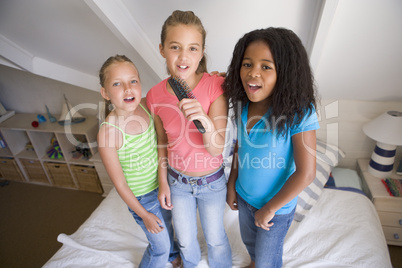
{"type": "Point", "coordinates": [182, 88]}
{"type": "Point", "coordinates": [183, 91]}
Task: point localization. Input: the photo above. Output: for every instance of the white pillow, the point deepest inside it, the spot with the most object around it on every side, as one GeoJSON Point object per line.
{"type": "Point", "coordinates": [230, 142]}
{"type": "Point", "coordinates": [345, 177]}
{"type": "Point", "coordinates": [328, 157]}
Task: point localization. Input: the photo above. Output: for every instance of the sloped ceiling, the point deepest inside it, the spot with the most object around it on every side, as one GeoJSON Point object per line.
{"type": "Point", "coordinates": [353, 45]}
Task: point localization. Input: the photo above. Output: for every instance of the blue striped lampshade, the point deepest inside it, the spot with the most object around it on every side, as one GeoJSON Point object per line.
{"type": "Point", "coordinates": [387, 131]}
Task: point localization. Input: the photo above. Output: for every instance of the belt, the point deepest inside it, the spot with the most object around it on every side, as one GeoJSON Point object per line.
{"type": "Point", "coordinates": [196, 180]}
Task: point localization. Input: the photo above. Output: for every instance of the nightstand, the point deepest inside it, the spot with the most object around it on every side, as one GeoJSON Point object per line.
{"type": "Point", "coordinates": [389, 208]}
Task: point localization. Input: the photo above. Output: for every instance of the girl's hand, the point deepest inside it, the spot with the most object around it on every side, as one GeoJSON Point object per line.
{"type": "Point", "coordinates": [231, 198]}
{"type": "Point", "coordinates": [217, 73]}
{"type": "Point", "coordinates": [263, 217]}
{"type": "Point", "coordinates": [164, 197]}
{"type": "Point", "coordinates": [152, 223]}
{"type": "Point", "coordinates": [193, 110]}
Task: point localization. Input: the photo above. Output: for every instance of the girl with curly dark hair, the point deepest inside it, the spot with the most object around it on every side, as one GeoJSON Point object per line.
{"type": "Point", "coordinates": [270, 86]}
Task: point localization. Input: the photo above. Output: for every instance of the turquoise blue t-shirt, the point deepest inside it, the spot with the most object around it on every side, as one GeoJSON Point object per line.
{"type": "Point", "coordinates": [266, 159]}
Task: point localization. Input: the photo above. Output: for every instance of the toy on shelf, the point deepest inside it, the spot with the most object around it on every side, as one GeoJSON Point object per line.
{"type": "Point", "coordinates": [41, 119]}
{"type": "Point", "coordinates": [81, 151]}
{"type": "Point", "coordinates": [29, 147]}
{"type": "Point", "coordinates": [3, 143]}
{"type": "Point", "coordinates": [51, 117]}
{"type": "Point", "coordinates": [69, 115]}
{"type": "Point", "coordinates": [55, 151]}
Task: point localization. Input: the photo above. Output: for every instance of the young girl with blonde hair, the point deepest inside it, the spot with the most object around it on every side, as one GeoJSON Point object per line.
{"type": "Point", "coordinates": [127, 146]}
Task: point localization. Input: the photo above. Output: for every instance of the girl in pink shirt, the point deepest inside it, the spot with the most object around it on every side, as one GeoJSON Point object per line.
{"type": "Point", "coordinates": [190, 163]}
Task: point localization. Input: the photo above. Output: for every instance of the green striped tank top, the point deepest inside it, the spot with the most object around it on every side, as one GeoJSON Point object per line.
{"type": "Point", "coordinates": [139, 159]}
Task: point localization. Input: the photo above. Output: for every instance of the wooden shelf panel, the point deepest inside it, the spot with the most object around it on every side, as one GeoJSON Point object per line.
{"type": "Point", "coordinates": [24, 122]}
{"type": "Point", "coordinates": [29, 154]}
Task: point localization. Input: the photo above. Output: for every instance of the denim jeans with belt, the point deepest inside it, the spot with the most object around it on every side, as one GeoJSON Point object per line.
{"type": "Point", "coordinates": [161, 248]}
{"type": "Point", "coordinates": [210, 199]}
{"type": "Point", "coordinates": [265, 247]}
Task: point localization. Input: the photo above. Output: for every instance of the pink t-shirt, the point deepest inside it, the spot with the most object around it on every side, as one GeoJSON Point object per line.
{"type": "Point", "coordinates": [186, 151]}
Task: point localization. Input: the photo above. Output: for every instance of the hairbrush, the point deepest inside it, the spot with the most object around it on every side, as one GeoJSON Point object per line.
{"type": "Point", "coordinates": [183, 91]}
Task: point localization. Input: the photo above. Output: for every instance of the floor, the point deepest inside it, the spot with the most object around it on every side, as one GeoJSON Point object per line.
{"type": "Point", "coordinates": [396, 256]}
{"type": "Point", "coordinates": [33, 215]}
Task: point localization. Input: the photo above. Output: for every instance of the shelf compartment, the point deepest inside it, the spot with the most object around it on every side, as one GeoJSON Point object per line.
{"type": "Point", "coordinates": [10, 170]}
{"type": "Point", "coordinates": [59, 175]}
{"type": "Point", "coordinates": [69, 144]}
{"type": "Point", "coordinates": [5, 152]}
{"type": "Point", "coordinates": [29, 154]}
{"type": "Point", "coordinates": [17, 140]}
{"type": "Point", "coordinates": [87, 178]}
{"type": "Point", "coordinates": [42, 142]}
{"type": "Point", "coordinates": [34, 170]}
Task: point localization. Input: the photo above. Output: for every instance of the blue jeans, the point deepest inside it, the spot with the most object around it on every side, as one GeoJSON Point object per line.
{"type": "Point", "coordinates": [162, 247]}
{"type": "Point", "coordinates": [265, 247]}
{"type": "Point", "coordinates": [210, 199]}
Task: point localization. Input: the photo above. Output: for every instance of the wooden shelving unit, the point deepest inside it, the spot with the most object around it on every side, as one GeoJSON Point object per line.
{"type": "Point", "coordinates": [25, 157]}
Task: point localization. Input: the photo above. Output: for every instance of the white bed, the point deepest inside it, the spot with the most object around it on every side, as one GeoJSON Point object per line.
{"type": "Point", "coordinates": [341, 230]}
{"type": "Point", "coordinates": [335, 228]}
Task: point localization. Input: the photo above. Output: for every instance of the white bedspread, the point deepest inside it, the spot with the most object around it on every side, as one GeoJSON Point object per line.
{"type": "Point", "coordinates": [341, 230]}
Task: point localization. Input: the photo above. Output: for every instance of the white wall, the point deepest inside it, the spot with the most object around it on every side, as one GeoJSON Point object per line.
{"type": "Point", "coordinates": [342, 121]}
{"type": "Point", "coordinates": [361, 58]}
{"type": "Point", "coordinates": [226, 21]}
{"type": "Point", "coordinates": [25, 92]}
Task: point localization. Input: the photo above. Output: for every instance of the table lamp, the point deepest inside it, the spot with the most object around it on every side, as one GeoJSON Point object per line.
{"type": "Point", "coordinates": [386, 130]}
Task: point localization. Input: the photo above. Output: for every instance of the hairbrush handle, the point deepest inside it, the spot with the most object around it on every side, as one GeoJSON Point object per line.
{"type": "Point", "coordinates": [180, 89]}
{"type": "Point", "coordinates": [199, 126]}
